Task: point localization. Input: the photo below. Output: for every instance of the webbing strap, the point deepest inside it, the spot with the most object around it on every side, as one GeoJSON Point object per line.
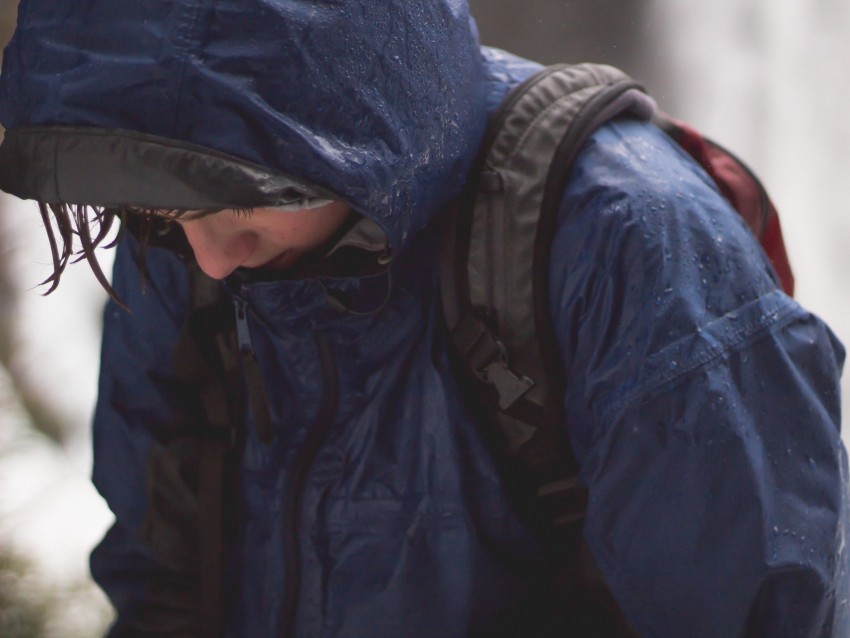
{"type": "Point", "coordinates": [207, 359]}
{"type": "Point", "coordinates": [211, 538]}
{"type": "Point", "coordinates": [494, 268]}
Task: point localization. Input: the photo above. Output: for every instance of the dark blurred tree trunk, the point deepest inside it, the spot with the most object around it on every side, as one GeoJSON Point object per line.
{"type": "Point", "coordinates": [609, 31]}
{"type": "Point", "coordinates": [8, 15]}
{"type": "Point", "coordinates": [17, 617]}
{"type": "Point", "coordinates": [41, 415]}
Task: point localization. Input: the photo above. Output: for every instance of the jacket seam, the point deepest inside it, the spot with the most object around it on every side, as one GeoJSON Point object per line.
{"type": "Point", "coordinates": [185, 37]}
{"type": "Point", "coordinates": [752, 331]}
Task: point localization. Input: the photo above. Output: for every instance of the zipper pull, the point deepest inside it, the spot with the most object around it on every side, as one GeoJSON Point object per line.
{"type": "Point", "coordinates": [253, 379]}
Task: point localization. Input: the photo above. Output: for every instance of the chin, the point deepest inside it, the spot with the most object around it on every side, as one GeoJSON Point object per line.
{"type": "Point", "coordinates": [280, 262]}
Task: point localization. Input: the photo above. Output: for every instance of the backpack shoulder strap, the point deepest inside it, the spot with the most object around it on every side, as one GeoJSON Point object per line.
{"type": "Point", "coordinates": [224, 377]}
{"type": "Point", "coordinates": [494, 275]}
{"type": "Point", "coordinates": [207, 361]}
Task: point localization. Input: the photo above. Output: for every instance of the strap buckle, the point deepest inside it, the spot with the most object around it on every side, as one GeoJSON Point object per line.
{"type": "Point", "coordinates": [510, 386]}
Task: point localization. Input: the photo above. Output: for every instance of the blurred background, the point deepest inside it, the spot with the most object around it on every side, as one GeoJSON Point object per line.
{"type": "Point", "coordinates": [767, 78]}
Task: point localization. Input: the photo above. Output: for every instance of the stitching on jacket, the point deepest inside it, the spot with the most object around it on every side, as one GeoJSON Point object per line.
{"type": "Point", "coordinates": [186, 36]}
{"type": "Point", "coordinates": [773, 309]}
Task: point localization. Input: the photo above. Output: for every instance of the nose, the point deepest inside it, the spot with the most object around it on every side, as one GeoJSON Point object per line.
{"type": "Point", "coordinates": [218, 251]}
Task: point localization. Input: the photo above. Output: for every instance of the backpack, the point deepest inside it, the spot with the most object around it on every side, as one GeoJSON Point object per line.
{"type": "Point", "coordinates": [494, 285]}
{"type": "Point", "coordinates": [495, 259]}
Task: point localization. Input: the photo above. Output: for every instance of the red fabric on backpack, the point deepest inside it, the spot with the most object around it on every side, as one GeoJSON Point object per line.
{"type": "Point", "coordinates": [743, 190]}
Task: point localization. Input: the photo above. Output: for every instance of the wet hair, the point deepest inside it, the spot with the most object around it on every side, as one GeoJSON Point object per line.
{"type": "Point", "coordinates": [76, 231]}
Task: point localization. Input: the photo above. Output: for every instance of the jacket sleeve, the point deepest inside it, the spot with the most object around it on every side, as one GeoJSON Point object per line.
{"type": "Point", "coordinates": [133, 450]}
{"type": "Point", "coordinates": [702, 403]}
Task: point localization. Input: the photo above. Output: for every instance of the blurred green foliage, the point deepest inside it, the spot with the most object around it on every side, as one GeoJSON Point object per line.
{"type": "Point", "coordinates": [30, 608]}
{"type": "Point", "coordinates": [24, 604]}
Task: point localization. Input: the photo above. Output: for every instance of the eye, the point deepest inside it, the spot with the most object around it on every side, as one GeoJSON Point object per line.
{"type": "Point", "coordinates": [242, 212]}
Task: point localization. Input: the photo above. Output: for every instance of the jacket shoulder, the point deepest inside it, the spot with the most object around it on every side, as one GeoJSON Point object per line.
{"type": "Point", "coordinates": [646, 253]}
{"type": "Point", "coordinates": [633, 194]}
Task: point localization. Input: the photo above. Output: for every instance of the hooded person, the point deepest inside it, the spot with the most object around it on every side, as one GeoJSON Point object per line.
{"type": "Point", "coordinates": [703, 403]}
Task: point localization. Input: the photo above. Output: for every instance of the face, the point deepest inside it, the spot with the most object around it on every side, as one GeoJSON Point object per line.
{"type": "Point", "coordinates": [266, 238]}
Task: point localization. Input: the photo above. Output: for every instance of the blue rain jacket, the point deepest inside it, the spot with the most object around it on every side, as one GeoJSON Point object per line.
{"type": "Point", "coordinates": [702, 403]}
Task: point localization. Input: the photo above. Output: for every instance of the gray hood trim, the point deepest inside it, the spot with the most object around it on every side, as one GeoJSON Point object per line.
{"type": "Point", "coordinates": [112, 168]}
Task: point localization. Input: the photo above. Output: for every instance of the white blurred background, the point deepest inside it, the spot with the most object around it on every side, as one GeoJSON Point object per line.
{"type": "Point", "coordinates": [768, 78]}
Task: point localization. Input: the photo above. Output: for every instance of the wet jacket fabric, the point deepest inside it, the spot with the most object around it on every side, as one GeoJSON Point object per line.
{"type": "Point", "coordinates": [702, 403]}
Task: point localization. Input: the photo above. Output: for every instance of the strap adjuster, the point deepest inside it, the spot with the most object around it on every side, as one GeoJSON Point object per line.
{"type": "Point", "coordinates": [510, 386]}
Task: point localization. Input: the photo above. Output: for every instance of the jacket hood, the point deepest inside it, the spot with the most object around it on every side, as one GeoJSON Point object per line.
{"type": "Point", "coordinates": [380, 104]}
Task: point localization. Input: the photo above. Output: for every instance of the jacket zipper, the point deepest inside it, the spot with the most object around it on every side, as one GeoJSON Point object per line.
{"type": "Point", "coordinates": [255, 388]}
{"type": "Point", "coordinates": [292, 506]}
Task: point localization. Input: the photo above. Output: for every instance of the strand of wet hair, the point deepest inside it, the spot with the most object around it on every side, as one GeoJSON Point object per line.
{"type": "Point", "coordinates": [63, 222]}
{"type": "Point", "coordinates": [87, 250]}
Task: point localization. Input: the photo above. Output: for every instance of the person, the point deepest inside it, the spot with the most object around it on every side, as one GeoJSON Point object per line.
{"type": "Point", "coordinates": [300, 153]}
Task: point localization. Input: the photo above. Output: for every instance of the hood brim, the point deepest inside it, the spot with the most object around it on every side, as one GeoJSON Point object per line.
{"type": "Point", "coordinates": [117, 168]}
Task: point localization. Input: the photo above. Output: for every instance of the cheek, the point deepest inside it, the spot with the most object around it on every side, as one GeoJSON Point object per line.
{"type": "Point", "coordinates": [301, 230]}
{"type": "Point", "coordinates": [328, 221]}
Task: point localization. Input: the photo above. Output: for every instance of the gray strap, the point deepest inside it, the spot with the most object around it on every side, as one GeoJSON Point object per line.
{"type": "Point", "coordinates": [546, 126]}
